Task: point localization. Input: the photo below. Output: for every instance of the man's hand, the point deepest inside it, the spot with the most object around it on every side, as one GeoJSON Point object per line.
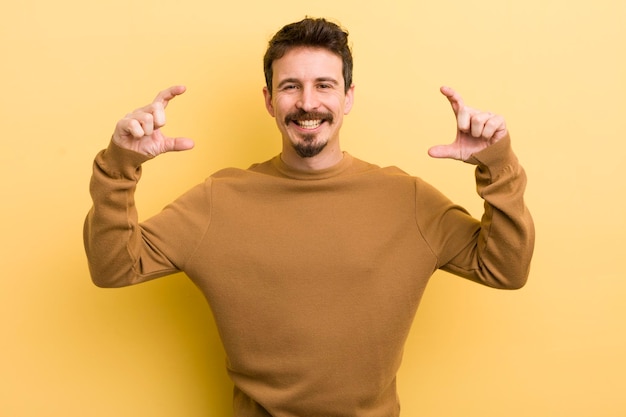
{"type": "Point", "coordinates": [475, 130]}
{"type": "Point", "coordinates": [140, 131]}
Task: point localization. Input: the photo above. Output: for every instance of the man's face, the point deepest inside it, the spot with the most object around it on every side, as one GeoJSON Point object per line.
{"type": "Point", "coordinates": [308, 100]}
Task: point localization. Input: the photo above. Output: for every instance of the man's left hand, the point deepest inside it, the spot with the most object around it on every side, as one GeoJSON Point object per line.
{"type": "Point", "coordinates": [475, 129]}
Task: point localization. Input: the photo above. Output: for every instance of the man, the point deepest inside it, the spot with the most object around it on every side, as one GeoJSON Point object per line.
{"type": "Point", "coordinates": [313, 262]}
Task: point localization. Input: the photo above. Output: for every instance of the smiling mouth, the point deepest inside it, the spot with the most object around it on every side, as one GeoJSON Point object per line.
{"type": "Point", "coordinates": [309, 124]}
{"type": "Point", "coordinates": [308, 120]}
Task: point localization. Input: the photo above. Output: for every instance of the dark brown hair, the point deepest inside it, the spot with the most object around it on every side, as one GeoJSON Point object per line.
{"type": "Point", "coordinates": [318, 33]}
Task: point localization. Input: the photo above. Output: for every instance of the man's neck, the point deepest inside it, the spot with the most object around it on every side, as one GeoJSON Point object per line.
{"type": "Point", "coordinates": [325, 159]}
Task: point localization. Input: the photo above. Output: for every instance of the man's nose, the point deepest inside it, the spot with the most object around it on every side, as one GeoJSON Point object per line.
{"type": "Point", "coordinates": [308, 100]}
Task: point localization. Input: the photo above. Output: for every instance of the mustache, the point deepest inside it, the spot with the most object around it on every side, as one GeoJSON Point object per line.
{"type": "Point", "coordinates": [300, 115]}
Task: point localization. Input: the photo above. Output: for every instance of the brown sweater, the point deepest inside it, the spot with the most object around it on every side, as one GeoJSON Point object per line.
{"type": "Point", "coordinates": [313, 278]}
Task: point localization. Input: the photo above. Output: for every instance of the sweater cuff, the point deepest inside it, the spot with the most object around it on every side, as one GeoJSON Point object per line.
{"type": "Point", "coordinates": [119, 162]}
{"type": "Point", "coordinates": [497, 156]}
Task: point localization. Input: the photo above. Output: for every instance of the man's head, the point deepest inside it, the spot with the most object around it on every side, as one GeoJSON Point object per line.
{"type": "Point", "coordinates": [308, 67]}
{"type": "Point", "coordinates": [316, 33]}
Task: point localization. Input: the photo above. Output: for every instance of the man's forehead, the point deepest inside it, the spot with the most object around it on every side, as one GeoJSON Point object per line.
{"type": "Point", "coordinates": [308, 62]}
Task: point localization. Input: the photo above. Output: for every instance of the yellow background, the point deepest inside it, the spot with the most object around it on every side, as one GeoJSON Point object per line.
{"type": "Point", "coordinates": [556, 69]}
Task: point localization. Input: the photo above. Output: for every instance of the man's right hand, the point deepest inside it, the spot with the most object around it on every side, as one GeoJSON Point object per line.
{"type": "Point", "coordinates": [140, 131]}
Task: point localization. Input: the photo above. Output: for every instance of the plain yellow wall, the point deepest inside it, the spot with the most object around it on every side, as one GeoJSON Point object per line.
{"type": "Point", "coordinates": [556, 69]}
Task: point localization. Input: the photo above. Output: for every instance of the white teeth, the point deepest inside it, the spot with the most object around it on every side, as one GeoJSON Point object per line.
{"type": "Point", "coordinates": [309, 124]}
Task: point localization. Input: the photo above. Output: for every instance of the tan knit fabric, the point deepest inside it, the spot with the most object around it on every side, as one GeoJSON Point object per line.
{"type": "Point", "coordinates": [313, 278]}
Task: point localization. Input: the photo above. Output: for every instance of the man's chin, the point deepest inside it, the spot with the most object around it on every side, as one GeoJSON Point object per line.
{"type": "Point", "coordinates": [309, 148]}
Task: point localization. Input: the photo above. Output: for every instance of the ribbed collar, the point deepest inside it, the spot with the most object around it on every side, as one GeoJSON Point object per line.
{"type": "Point", "coordinates": [335, 170]}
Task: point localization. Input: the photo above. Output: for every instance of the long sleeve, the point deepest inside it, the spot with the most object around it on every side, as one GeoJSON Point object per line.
{"type": "Point", "coordinates": [117, 249]}
{"type": "Point", "coordinates": [496, 251]}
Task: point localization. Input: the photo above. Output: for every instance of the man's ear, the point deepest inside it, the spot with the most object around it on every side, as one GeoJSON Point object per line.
{"type": "Point", "coordinates": [268, 101]}
{"type": "Point", "coordinates": [349, 100]}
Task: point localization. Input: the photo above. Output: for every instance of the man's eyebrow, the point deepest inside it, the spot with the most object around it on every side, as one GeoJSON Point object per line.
{"type": "Point", "coordinates": [327, 80]}
{"type": "Point", "coordinates": [288, 81]}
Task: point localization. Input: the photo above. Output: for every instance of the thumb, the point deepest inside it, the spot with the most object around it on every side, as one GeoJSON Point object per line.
{"type": "Point", "coordinates": [178, 144]}
{"type": "Point", "coordinates": [443, 151]}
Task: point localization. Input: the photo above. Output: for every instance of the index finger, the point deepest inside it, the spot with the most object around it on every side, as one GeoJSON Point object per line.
{"type": "Point", "coordinates": [165, 96]}
{"type": "Point", "coordinates": [455, 99]}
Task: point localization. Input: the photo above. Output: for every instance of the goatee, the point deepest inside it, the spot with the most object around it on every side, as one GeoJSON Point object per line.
{"type": "Point", "coordinates": [309, 147]}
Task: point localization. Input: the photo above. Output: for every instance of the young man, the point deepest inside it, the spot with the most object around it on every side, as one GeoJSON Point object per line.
{"type": "Point", "coordinates": [313, 262]}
